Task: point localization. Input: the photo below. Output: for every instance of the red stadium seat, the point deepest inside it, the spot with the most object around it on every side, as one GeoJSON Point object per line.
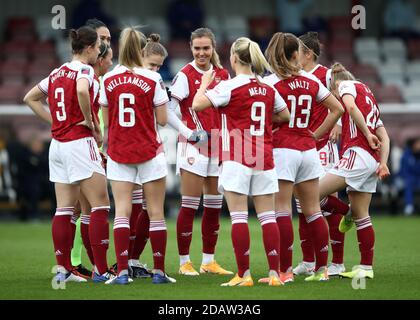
{"type": "Point", "coordinates": [414, 49]}
{"type": "Point", "coordinates": [12, 71]}
{"type": "Point", "coordinates": [11, 93]}
{"type": "Point", "coordinates": [13, 49]}
{"type": "Point", "coordinates": [342, 23]}
{"type": "Point", "coordinates": [346, 59]}
{"type": "Point", "coordinates": [340, 47]}
{"type": "Point", "coordinates": [42, 50]}
{"type": "Point", "coordinates": [179, 49]}
{"type": "Point", "coordinates": [365, 73]}
{"type": "Point", "coordinates": [389, 94]}
{"type": "Point", "coordinates": [21, 29]}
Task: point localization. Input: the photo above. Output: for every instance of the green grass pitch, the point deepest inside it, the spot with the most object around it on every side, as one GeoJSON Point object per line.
{"type": "Point", "coordinates": [26, 259]}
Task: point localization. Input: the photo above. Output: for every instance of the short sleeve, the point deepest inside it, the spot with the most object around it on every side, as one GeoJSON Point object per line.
{"type": "Point", "coordinates": [279, 103]}
{"type": "Point", "coordinates": [219, 96]}
{"type": "Point", "coordinates": [96, 87]}
{"type": "Point", "coordinates": [161, 96]}
{"type": "Point", "coordinates": [347, 87]}
{"type": "Point", "coordinates": [103, 99]}
{"type": "Point", "coordinates": [43, 85]}
{"type": "Point", "coordinates": [179, 87]}
{"type": "Point", "coordinates": [379, 124]}
{"type": "Point", "coordinates": [323, 93]}
{"type": "Point", "coordinates": [86, 72]}
{"type": "Point", "coordinates": [328, 79]}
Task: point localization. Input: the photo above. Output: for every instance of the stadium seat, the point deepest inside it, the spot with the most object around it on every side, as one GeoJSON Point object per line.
{"type": "Point", "coordinates": [412, 71]}
{"type": "Point", "coordinates": [340, 47]}
{"type": "Point", "coordinates": [21, 29]}
{"type": "Point", "coordinates": [413, 47]}
{"type": "Point", "coordinates": [412, 92]}
{"type": "Point", "coordinates": [235, 27]}
{"type": "Point", "coordinates": [11, 93]}
{"type": "Point", "coordinates": [213, 22]}
{"type": "Point", "coordinates": [388, 94]}
{"type": "Point", "coordinates": [12, 71]}
{"type": "Point", "coordinates": [179, 49]}
{"type": "Point", "coordinates": [339, 24]}
{"type": "Point", "coordinates": [393, 49]}
{"type": "Point", "coordinates": [365, 73]}
{"type": "Point", "coordinates": [14, 49]}
{"type": "Point", "coordinates": [392, 73]}
{"type": "Point", "coordinates": [346, 59]}
{"type": "Point", "coordinates": [366, 46]}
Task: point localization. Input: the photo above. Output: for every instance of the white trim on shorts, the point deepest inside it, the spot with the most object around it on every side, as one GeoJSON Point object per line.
{"type": "Point", "coordinates": [190, 159]}
{"type": "Point", "coordinates": [73, 161]}
{"type": "Point", "coordinates": [236, 177]}
{"type": "Point", "coordinates": [297, 166]}
{"type": "Point", "coordinates": [358, 168]}
{"type": "Point", "coordinates": [138, 173]}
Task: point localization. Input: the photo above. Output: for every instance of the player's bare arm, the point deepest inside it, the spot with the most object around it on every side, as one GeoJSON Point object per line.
{"type": "Point", "coordinates": [34, 100]}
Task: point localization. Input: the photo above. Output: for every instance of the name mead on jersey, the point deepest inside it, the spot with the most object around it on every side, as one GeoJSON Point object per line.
{"type": "Point", "coordinates": [257, 91]}
{"type": "Point", "coordinates": [299, 84]}
{"type": "Point", "coordinates": [129, 80]}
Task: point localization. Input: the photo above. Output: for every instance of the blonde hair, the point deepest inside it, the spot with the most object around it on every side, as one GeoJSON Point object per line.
{"type": "Point", "coordinates": [131, 45]}
{"type": "Point", "coordinates": [280, 51]}
{"type": "Point", "coordinates": [339, 73]}
{"type": "Point", "coordinates": [249, 54]}
{"type": "Point", "coordinates": [154, 47]}
{"type": "Point", "coordinates": [207, 33]}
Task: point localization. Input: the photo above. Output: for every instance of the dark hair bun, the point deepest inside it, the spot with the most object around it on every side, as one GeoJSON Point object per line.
{"type": "Point", "coordinates": [154, 37]}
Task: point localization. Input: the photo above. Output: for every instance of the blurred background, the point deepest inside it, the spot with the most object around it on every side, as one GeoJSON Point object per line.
{"type": "Point", "coordinates": [385, 55]}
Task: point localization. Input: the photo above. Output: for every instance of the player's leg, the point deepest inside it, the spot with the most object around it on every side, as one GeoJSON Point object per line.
{"type": "Point", "coordinates": [264, 206]}
{"type": "Point", "coordinates": [308, 194]}
{"type": "Point", "coordinates": [238, 208]}
{"type": "Point", "coordinates": [76, 251]}
{"type": "Point", "coordinates": [66, 195]}
{"type": "Point", "coordinates": [360, 202]}
{"type": "Point", "coordinates": [283, 207]}
{"type": "Point", "coordinates": [154, 193]}
{"type": "Point", "coordinates": [191, 186]}
{"type": "Point", "coordinates": [96, 193]}
{"type": "Point", "coordinates": [212, 202]}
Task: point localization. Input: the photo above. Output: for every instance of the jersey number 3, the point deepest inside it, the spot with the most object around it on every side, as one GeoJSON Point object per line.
{"type": "Point", "coordinates": [61, 112]}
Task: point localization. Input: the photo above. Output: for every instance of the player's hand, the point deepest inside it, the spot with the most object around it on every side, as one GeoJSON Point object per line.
{"type": "Point", "coordinates": [199, 136]}
{"type": "Point", "coordinates": [373, 141]}
{"type": "Point", "coordinates": [382, 172]}
{"type": "Point", "coordinates": [86, 123]}
{"type": "Point", "coordinates": [335, 134]}
{"type": "Point", "coordinates": [97, 135]}
{"type": "Point", "coordinates": [207, 78]}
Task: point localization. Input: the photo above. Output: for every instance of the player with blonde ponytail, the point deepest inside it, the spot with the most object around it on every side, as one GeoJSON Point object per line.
{"type": "Point", "coordinates": [247, 107]}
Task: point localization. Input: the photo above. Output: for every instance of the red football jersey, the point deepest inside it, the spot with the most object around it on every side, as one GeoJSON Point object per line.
{"type": "Point", "coordinates": [319, 112]}
{"type": "Point", "coordinates": [184, 87]}
{"type": "Point", "coordinates": [65, 110]}
{"type": "Point", "coordinates": [366, 102]}
{"type": "Point", "coordinates": [246, 107]}
{"type": "Point", "coordinates": [301, 93]}
{"type": "Point", "coordinates": [131, 97]}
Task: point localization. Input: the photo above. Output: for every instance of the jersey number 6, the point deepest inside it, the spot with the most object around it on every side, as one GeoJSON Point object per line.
{"type": "Point", "coordinates": [123, 111]}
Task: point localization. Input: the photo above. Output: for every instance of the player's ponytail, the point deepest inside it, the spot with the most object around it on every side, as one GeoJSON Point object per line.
{"type": "Point", "coordinates": [279, 53]}
{"type": "Point", "coordinates": [206, 32]}
{"type": "Point", "coordinates": [131, 45]}
{"type": "Point", "coordinates": [311, 43]}
{"type": "Point", "coordinates": [154, 47]}
{"type": "Point", "coordinates": [249, 53]}
{"type": "Point", "coordinates": [339, 73]}
{"type": "Point", "coordinates": [82, 38]}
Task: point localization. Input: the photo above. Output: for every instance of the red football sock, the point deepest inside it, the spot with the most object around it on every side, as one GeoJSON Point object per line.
{"type": "Point", "coordinates": [336, 238]}
{"type": "Point", "coordinates": [210, 222]}
{"type": "Point", "coordinates": [142, 235]}
{"type": "Point", "coordinates": [61, 234]}
{"type": "Point", "coordinates": [284, 224]}
{"type": "Point", "coordinates": [366, 238]}
{"type": "Point", "coordinates": [99, 237]}
{"type": "Point", "coordinates": [184, 223]}
{"type": "Point", "coordinates": [319, 235]}
{"type": "Point", "coordinates": [158, 236]}
{"type": "Point", "coordinates": [271, 238]}
{"type": "Point", "coordinates": [84, 230]}
{"type": "Point", "coordinates": [334, 205]}
{"type": "Point", "coordinates": [135, 213]}
{"type": "Point", "coordinates": [306, 240]}
{"type": "Point", "coordinates": [122, 242]}
{"type": "Point", "coordinates": [240, 240]}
